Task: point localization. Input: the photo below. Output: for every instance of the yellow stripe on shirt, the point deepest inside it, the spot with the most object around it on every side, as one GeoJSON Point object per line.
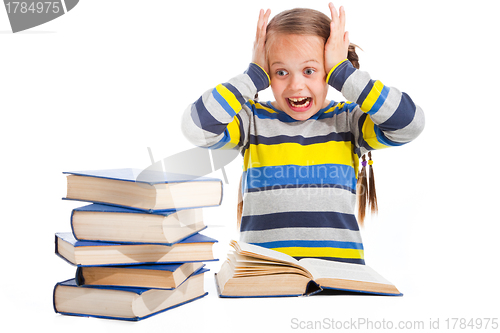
{"type": "Point", "coordinates": [372, 97]}
{"type": "Point", "coordinates": [370, 136]}
{"type": "Point", "coordinates": [234, 134]}
{"type": "Point", "coordinates": [229, 98]}
{"type": "Point", "coordinates": [331, 152]}
{"type": "Point", "coordinates": [262, 107]}
{"type": "Point", "coordinates": [335, 108]}
{"type": "Point", "coordinates": [321, 252]}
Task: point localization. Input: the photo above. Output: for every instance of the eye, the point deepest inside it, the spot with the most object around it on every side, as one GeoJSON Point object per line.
{"type": "Point", "coordinates": [281, 72]}
{"type": "Point", "coordinates": [309, 71]}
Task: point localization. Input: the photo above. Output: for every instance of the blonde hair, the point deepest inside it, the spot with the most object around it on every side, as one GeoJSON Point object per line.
{"type": "Point", "coordinates": [304, 21]}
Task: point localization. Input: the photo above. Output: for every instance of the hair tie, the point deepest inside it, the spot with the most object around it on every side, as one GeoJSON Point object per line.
{"type": "Point", "coordinates": [370, 162]}
{"type": "Point", "coordinates": [363, 163]}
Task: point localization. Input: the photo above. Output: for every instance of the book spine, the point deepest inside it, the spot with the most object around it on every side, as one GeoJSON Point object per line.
{"type": "Point", "coordinates": [71, 224]}
{"type": "Point", "coordinates": [54, 298]}
{"type": "Point", "coordinates": [56, 250]}
{"type": "Point", "coordinates": [79, 279]}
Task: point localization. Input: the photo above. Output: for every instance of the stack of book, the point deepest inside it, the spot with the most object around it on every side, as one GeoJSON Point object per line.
{"type": "Point", "coordinates": [137, 246]}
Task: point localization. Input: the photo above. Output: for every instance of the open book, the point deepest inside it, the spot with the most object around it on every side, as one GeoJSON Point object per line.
{"type": "Point", "coordinates": [254, 271]}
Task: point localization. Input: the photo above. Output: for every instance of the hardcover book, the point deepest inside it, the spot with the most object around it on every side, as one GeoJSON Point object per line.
{"type": "Point", "coordinates": [167, 276]}
{"type": "Point", "coordinates": [143, 190]}
{"type": "Point", "coordinates": [86, 253]}
{"type": "Point", "coordinates": [97, 222]}
{"type": "Point", "coordinates": [254, 271]}
{"type": "Point", "coordinates": [121, 302]}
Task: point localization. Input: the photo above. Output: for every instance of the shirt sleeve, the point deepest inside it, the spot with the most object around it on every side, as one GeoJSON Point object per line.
{"type": "Point", "coordinates": [214, 121]}
{"type": "Point", "coordinates": [381, 116]}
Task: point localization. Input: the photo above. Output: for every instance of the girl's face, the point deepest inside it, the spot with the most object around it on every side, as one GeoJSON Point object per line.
{"type": "Point", "coordinates": [297, 72]}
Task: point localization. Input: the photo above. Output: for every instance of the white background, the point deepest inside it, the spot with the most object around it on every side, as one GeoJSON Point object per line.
{"type": "Point", "coordinates": [94, 88]}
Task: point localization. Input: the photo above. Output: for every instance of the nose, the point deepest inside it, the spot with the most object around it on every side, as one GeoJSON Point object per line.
{"type": "Point", "coordinates": [296, 82]}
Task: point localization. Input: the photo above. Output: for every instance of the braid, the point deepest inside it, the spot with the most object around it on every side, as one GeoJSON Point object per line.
{"type": "Point", "coordinates": [362, 191]}
{"type": "Point", "coordinates": [239, 208]}
{"type": "Point", "coordinates": [372, 193]}
{"type": "Point", "coordinates": [365, 189]}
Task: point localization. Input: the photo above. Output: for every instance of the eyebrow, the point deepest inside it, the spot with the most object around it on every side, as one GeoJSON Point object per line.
{"type": "Point", "coordinates": [281, 63]}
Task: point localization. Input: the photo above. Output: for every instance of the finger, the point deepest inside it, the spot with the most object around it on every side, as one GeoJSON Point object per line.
{"type": "Point", "coordinates": [263, 26]}
{"type": "Point", "coordinates": [333, 11]}
{"type": "Point", "coordinates": [267, 14]}
{"type": "Point", "coordinates": [342, 18]}
{"type": "Point", "coordinates": [263, 16]}
{"type": "Point", "coordinates": [346, 39]}
{"type": "Point", "coordinates": [261, 32]}
{"type": "Point", "coordinates": [266, 18]}
{"type": "Point", "coordinates": [259, 23]}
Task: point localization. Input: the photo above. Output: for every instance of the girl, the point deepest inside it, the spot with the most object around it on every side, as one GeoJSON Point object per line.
{"type": "Point", "coordinates": [301, 152]}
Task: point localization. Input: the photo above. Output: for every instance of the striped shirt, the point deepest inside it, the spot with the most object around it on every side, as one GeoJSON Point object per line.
{"type": "Point", "coordinates": [299, 177]}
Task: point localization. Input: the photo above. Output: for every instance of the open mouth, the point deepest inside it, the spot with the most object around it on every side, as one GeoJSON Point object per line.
{"type": "Point", "coordinates": [301, 102]}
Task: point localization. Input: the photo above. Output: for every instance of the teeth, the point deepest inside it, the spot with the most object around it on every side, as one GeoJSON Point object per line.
{"type": "Point", "coordinates": [306, 104]}
{"type": "Point", "coordinates": [297, 99]}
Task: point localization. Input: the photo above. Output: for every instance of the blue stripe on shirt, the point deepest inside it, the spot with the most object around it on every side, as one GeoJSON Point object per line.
{"type": "Point", "coordinates": [312, 243]}
{"type": "Point", "coordinates": [338, 137]}
{"type": "Point", "coordinates": [282, 175]}
{"type": "Point", "coordinates": [403, 115]}
{"type": "Point", "coordinates": [258, 76]}
{"type": "Point", "coordinates": [223, 103]}
{"type": "Point", "coordinates": [235, 92]}
{"type": "Point", "coordinates": [340, 75]}
{"type": "Point", "coordinates": [365, 92]}
{"type": "Point", "coordinates": [384, 140]}
{"type": "Point", "coordinates": [204, 120]}
{"type": "Point", "coordinates": [380, 101]}
{"type": "Point", "coordinates": [299, 220]}
{"type": "Point", "coordinates": [225, 139]}
{"type": "Point", "coordinates": [346, 260]}
{"type": "Point", "coordinates": [299, 186]}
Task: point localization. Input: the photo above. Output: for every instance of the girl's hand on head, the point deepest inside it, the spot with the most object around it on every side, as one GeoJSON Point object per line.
{"type": "Point", "coordinates": [337, 45]}
{"type": "Point", "coordinates": [259, 49]}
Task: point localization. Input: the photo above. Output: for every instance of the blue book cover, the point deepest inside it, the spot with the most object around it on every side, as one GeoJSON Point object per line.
{"type": "Point", "coordinates": [208, 192]}
{"type": "Point", "coordinates": [68, 237]}
{"type": "Point", "coordinates": [195, 248]}
{"type": "Point", "coordinates": [141, 176]}
{"type": "Point", "coordinates": [103, 208]}
{"type": "Point", "coordinates": [110, 302]}
{"type": "Point", "coordinates": [135, 279]}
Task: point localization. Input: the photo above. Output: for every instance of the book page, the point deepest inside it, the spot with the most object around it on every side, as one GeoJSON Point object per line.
{"type": "Point", "coordinates": [248, 260]}
{"type": "Point", "coordinates": [262, 252]}
{"type": "Point", "coordinates": [338, 270]}
{"type": "Point", "coordinates": [272, 257]}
